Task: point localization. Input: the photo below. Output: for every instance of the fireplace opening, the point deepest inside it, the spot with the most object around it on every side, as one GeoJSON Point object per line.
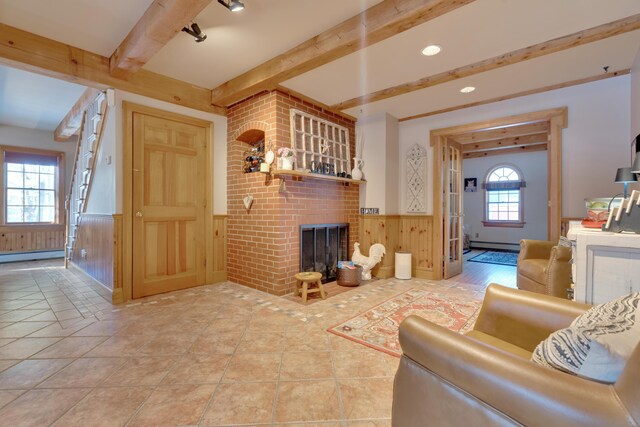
{"type": "Point", "coordinates": [322, 246]}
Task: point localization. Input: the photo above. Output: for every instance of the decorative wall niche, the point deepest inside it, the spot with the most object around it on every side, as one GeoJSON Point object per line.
{"type": "Point", "coordinates": [417, 179]}
{"type": "Point", "coordinates": [254, 155]}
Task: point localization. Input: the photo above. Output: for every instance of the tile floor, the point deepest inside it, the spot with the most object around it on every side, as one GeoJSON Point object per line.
{"type": "Point", "coordinates": [214, 355]}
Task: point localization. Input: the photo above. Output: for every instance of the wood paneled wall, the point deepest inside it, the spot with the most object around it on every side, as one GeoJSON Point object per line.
{"type": "Point", "coordinates": [31, 238]}
{"type": "Point", "coordinates": [95, 235]}
{"type": "Point", "coordinates": [405, 233]}
{"type": "Point", "coordinates": [219, 264]}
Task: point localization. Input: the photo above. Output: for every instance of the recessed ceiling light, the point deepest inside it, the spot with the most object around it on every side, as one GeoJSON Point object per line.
{"type": "Point", "coordinates": [467, 89]}
{"type": "Point", "coordinates": [432, 49]}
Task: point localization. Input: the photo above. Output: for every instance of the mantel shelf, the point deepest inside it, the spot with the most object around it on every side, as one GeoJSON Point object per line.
{"type": "Point", "coordinates": [283, 173]}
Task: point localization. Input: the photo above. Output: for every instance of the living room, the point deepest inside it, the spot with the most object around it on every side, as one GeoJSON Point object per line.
{"type": "Point", "coordinates": [177, 230]}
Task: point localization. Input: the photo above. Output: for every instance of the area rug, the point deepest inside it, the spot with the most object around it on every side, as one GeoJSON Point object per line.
{"type": "Point", "coordinates": [377, 327]}
{"type": "Point", "coordinates": [494, 257]}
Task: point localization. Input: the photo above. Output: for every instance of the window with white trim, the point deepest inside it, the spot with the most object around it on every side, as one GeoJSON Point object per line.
{"type": "Point", "coordinates": [315, 139]}
{"type": "Point", "coordinates": [31, 190]}
{"type": "Point", "coordinates": [503, 197]}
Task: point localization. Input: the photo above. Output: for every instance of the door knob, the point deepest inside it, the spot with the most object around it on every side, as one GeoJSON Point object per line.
{"type": "Point", "coordinates": [138, 214]}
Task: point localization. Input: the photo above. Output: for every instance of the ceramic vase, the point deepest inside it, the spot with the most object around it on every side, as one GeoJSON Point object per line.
{"type": "Point", "coordinates": [287, 163]}
{"type": "Point", "coordinates": [356, 172]}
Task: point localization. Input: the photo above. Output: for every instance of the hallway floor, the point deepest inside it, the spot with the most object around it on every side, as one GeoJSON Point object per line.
{"type": "Point", "coordinates": [213, 355]}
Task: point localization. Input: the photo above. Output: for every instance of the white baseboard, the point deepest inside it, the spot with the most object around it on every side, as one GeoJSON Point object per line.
{"type": "Point", "coordinates": [30, 256]}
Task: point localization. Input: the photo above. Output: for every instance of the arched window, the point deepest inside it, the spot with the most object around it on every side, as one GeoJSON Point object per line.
{"type": "Point", "coordinates": [503, 187]}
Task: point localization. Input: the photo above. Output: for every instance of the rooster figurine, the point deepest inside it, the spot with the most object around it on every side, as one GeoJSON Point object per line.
{"type": "Point", "coordinates": [368, 262]}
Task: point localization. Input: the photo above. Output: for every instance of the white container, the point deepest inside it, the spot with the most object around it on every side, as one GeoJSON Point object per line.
{"type": "Point", "coordinates": [403, 265]}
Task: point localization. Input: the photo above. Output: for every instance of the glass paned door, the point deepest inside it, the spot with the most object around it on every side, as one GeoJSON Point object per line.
{"type": "Point", "coordinates": [452, 196]}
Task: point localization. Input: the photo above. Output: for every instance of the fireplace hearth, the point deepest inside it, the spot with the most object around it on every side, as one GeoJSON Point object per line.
{"type": "Point", "coordinates": [322, 246]}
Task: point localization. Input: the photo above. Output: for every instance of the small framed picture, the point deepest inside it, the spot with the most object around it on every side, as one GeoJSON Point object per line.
{"type": "Point", "coordinates": [471, 185]}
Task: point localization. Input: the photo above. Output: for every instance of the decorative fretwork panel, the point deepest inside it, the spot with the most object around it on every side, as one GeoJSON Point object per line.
{"type": "Point", "coordinates": [315, 139]}
{"type": "Point", "coordinates": [417, 179]}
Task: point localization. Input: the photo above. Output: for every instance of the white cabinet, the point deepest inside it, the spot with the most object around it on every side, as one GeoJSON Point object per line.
{"type": "Point", "coordinates": [606, 265]}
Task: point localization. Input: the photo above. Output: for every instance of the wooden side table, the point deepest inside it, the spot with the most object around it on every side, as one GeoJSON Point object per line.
{"type": "Point", "coordinates": [303, 280]}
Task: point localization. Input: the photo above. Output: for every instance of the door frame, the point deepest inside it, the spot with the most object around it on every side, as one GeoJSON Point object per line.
{"type": "Point", "coordinates": [557, 119]}
{"type": "Point", "coordinates": [128, 109]}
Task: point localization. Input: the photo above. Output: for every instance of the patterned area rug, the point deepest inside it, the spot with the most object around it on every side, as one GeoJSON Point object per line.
{"type": "Point", "coordinates": [378, 327]}
{"type": "Point", "coordinates": [493, 257]}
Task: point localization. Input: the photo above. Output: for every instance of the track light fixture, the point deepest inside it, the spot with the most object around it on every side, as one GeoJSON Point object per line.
{"type": "Point", "coordinates": [196, 32]}
{"type": "Point", "coordinates": [232, 5]}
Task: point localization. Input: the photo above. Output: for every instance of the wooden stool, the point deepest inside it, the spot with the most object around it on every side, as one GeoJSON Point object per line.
{"type": "Point", "coordinates": [304, 279]}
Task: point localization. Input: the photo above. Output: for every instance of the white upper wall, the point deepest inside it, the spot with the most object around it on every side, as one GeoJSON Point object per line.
{"type": "Point", "coordinates": [33, 138]}
{"type": "Point", "coordinates": [635, 96]}
{"type": "Point", "coordinates": [595, 143]}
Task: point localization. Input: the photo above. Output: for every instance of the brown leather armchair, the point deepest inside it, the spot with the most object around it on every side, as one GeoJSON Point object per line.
{"type": "Point", "coordinates": [486, 378]}
{"type": "Point", "coordinates": [544, 268]}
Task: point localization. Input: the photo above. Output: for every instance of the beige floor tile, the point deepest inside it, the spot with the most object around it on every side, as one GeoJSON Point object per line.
{"type": "Point", "coordinates": [306, 339]}
{"type": "Point", "coordinates": [307, 401]}
{"type": "Point", "coordinates": [21, 329]}
{"type": "Point", "coordinates": [18, 315]}
{"type": "Point", "coordinates": [55, 330]}
{"type": "Point", "coordinates": [248, 367]}
{"type": "Point", "coordinates": [339, 343]}
{"type": "Point", "coordinates": [69, 347]}
{"type": "Point", "coordinates": [216, 343]}
{"type": "Point", "coordinates": [367, 398]}
{"type": "Point", "coordinates": [119, 346]}
{"type": "Point", "coordinates": [364, 364]}
{"type": "Point", "coordinates": [261, 342]}
{"type": "Point", "coordinates": [141, 371]}
{"type": "Point", "coordinates": [370, 423]}
{"type": "Point", "coordinates": [46, 316]}
{"type": "Point", "coordinates": [198, 369]}
{"type": "Point", "coordinates": [7, 396]}
{"type": "Point", "coordinates": [83, 373]}
{"type": "Point", "coordinates": [167, 345]}
{"type": "Point", "coordinates": [25, 347]}
{"type": "Point", "coordinates": [40, 407]}
{"type": "Point", "coordinates": [105, 407]}
{"type": "Point", "coordinates": [29, 373]}
{"type": "Point", "coordinates": [174, 405]}
{"type": "Point", "coordinates": [306, 365]}
{"type": "Point", "coordinates": [6, 363]}
{"type": "Point", "coordinates": [105, 328]}
{"type": "Point", "coordinates": [5, 341]}
{"type": "Point", "coordinates": [250, 403]}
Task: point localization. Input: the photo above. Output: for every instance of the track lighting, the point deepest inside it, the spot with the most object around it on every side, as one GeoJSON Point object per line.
{"type": "Point", "coordinates": [232, 5]}
{"type": "Point", "coordinates": [196, 32]}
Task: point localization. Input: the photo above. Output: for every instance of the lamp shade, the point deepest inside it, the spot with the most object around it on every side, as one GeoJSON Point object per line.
{"type": "Point", "coordinates": [635, 168]}
{"type": "Point", "coordinates": [625, 175]}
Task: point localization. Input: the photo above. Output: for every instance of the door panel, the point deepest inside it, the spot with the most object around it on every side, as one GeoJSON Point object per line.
{"type": "Point", "coordinates": [168, 205]}
{"type": "Point", "coordinates": [452, 218]}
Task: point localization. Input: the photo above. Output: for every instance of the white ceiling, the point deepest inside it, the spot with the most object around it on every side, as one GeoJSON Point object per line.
{"type": "Point", "coordinates": [237, 42]}
{"type": "Point", "coordinates": [266, 28]}
{"type": "Point", "coordinates": [33, 101]}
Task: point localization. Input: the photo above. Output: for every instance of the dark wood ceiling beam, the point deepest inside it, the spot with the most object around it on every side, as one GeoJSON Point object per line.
{"type": "Point", "coordinates": [559, 44]}
{"type": "Point", "coordinates": [375, 24]}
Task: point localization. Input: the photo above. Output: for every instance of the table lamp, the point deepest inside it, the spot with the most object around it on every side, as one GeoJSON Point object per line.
{"type": "Point", "coordinates": [625, 176]}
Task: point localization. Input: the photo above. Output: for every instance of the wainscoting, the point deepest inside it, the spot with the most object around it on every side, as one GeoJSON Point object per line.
{"type": "Point", "coordinates": [95, 240]}
{"type": "Point", "coordinates": [399, 233]}
{"type": "Point", "coordinates": [32, 238]}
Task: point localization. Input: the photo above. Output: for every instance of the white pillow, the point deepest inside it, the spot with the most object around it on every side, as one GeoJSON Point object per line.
{"type": "Point", "coordinates": [598, 343]}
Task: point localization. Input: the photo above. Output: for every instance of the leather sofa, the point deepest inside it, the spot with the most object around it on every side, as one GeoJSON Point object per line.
{"type": "Point", "coordinates": [544, 268]}
{"type": "Point", "coordinates": [486, 378]}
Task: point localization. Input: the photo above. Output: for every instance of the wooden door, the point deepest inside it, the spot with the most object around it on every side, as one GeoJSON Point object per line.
{"type": "Point", "coordinates": [169, 205]}
{"type": "Point", "coordinates": [452, 215]}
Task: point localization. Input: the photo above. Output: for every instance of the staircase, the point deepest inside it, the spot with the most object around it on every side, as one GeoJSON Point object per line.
{"type": "Point", "coordinates": [89, 139]}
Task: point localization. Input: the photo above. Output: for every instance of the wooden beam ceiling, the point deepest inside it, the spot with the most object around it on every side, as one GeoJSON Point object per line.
{"type": "Point", "coordinates": [377, 23]}
{"type": "Point", "coordinates": [71, 123]}
{"type": "Point", "coordinates": [510, 142]}
{"type": "Point", "coordinates": [523, 149]}
{"type": "Point", "coordinates": [595, 78]}
{"type": "Point", "coordinates": [159, 24]}
{"type": "Point", "coordinates": [27, 51]}
{"type": "Point", "coordinates": [579, 38]}
{"type": "Point", "coordinates": [503, 132]}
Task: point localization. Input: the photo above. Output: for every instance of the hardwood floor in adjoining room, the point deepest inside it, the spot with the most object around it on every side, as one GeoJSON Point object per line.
{"type": "Point", "coordinates": [484, 274]}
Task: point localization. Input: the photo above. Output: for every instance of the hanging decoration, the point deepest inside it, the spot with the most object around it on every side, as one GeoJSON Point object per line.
{"type": "Point", "coordinates": [417, 179]}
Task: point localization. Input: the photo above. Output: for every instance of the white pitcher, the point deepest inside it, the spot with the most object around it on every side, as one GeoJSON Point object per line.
{"type": "Point", "coordinates": [356, 172]}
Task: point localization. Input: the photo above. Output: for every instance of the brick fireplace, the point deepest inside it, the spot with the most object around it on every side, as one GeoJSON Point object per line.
{"type": "Point", "coordinates": [264, 241]}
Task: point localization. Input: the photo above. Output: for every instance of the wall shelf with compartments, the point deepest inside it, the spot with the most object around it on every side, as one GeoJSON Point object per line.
{"type": "Point", "coordinates": [284, 173]}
